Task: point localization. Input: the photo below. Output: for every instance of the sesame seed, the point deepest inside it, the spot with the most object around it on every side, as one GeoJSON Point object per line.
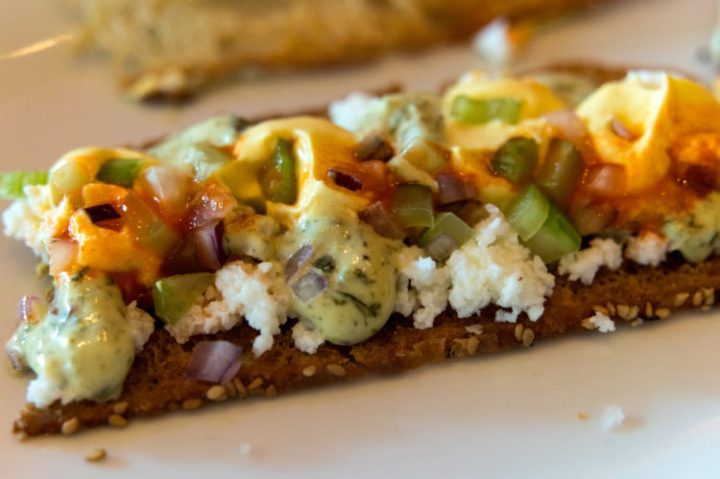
{"type": "Point", "coordinates": [662, 313]}
{"type": "Point", "coordinates": [648, 310]}
{"type": "Point", "coordinates": [697, 298]}
{"type": "Point", "coordinates": [270, 391]}
{"type": "Point", "coordinates": [309, 371]}
{"type": "Point", "coordinates": [255, 384]}
{"type": "Point", "coordinates": [190, 404]}
{"type": "Point", "coordinates": [623, 310]}
{"type": "Point", "coordinates": [519, 332]}
{"type": "Point", "coordinates": [709, 294]}
{"type": "Point", "coordinates": [117, 420]}
{"type": "Point", "coordinates": [634, 311]}
{"type": "Point", "coordinates": [587, 324]}
{"type": "Point", "coordinates": [680, 299]}
{"type": "Point", "coordinates": [120, 407]}
{"type": "Point", "coordinates": [336, 370]}
{"type": "Point", "coordinates": [638, 322]}
{"type": "Point", "coordinates": [705, 307]}
{"type": "Point", "coordinates": [216, 393]}
{"type": "Point", "coordinates": [528, 337]}
{"type": "Point", "coordinates": [230, 388]}
{"type": "Point", "coordinates": [611, 309]}
{"type": "Point", "coordinates": [240, 387]}
{"type": "Point", "coordinates": [70, 426]}
{"type": "Point", "coordinates": [599, 308]}
{"type": "Point", "coordinates": [97, 455]}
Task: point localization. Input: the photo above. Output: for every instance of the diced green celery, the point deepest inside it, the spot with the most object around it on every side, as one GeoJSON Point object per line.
{"type": "Point", "coordinates": [12, 183]}
{"type": "Point", "coordinates": [555, 239]}
{"type": "Point", "coordinates": [515, 159]}
{"type": "Point", "coordinates": [278, 179]}
{"type": "Point", "coordinates": [476, 112]}
{"type": "Point", "coordinates": [527, 212]}
{"type": "Point", "coordinates": [561, 170]}
{"type": "Point", "coordinates": [119, 171]}
{"type": "Point", "coordinates": [174, 295]}
{"type": "Point", "coordinates": [450, 225]}
{"type": "Point", "coordinates": [412, 206]}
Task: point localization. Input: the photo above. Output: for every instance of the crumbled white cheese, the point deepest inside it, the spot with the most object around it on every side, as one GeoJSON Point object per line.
{"type": "Point", "coordinates": [611, 417]}
{"type": "Point", "coordinates": [424, 287]}
{"type": "Point", "coordinates": [142, 325]}
{"type": "Point", "coordinates": [584, 264]}
{"type": "Point", "coordinates": [35, 220]}
{"type": "Point", "coordinates": [354, 111]}
{"type": "Point", "coordinates": [648, 248]}
{"type": "Point", "coordinates": [493, 267]}
{"type": "Point", "coordinates": [307, 339]}
{"type": "Point", "coordinates": [257, 293]}
{"type": "Point", "coordinates": [603, 323]}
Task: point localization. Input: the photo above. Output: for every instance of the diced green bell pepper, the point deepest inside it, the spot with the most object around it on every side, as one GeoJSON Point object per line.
{"type": "Point", "coordinates": [556, 238]}
{"type": "Point", "coordinates": [412, 206]}
{"type": "Point", "coordinates": [278, 179]}
{"type": "Point", "coordinates": [561, 170]}
{"type": "Point", "coordinates": [477, 112]}
{"type": "Point", "coordinates": [516, 159]}
{"type": "Point", "coordinates": [119, 171]}
{"type": "Point", "coordinates": [174, 295]}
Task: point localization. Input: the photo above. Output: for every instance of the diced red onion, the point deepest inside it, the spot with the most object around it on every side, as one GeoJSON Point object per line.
{"type": "Point", "coordinates": [702, 178]}
{"type": "Point", "coordinates": [214, 204]}
{"type": "Point", "coordinates": [374, 147]}
{"type": "Point", "coordinates": [309, 285]}
{"type": "Point", "coordinates": [170, 186]}
{"type": "Point", "coordinates": [592, 218]}
{"type": "Point", "coordinates": [214, 361]}
{"type": "Point", "coordinates": [208, 245]}
{"type": "Point", "coordinates": [621, 130]}
{"type": "Point", "coordinates": [441, 247]}
{"type": "Point", "coordinates": [569, 124]}
{"type": "Point", "coordinates": [102, 212]}
{"type": "Point", "coordinates": [346, 181]}
{"type": "Point", "coordinates": [452, 188]}
{"type": "Point", "coordinates": [607, 180]}
{"type": "Point", "coordinates": [377, 216]}
{"type": "Point", "coordinates": [61, 254]}
{"type": "Point", "coordinates": [28, 308]}
{"type": "Point", "coordinates": [297, 260]}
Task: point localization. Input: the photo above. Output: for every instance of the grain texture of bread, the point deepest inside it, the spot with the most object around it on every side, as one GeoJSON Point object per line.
{"type": "Point", "coordinates": [171, 48]}
{"type": "Point", "coordinates": [157, 383]}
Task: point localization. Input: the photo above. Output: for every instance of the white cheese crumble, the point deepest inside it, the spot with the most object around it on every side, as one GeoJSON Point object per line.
{"type": "Point", "coordinates": [493, 267]}
{"type": "Point", "coordinates": [142, 325]}
{"type": "Point", "coordinates": [611, 417]}
{"type": "Point", "coordinates": [34, 220]}
{"type": "Point", "coordinates": [354, 111]}
{"type": "Point", "coordinates": [423, 287]}
{"type": "Point", "coordinates": [603, 323]}
{"type": "Point", "coordinates": [584, 264]}
{"type": "Point", "coordinates": [257, 293]}
{"type": "Point", "coordinates": [306, 338]}
{"type": "Point", "coordinates": [648, 248]}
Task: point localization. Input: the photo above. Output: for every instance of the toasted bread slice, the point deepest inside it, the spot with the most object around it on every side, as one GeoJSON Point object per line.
{"type": "Point", "coordinates": [171, 48]}
{"type": "Point", "coordinates": [157, 383]}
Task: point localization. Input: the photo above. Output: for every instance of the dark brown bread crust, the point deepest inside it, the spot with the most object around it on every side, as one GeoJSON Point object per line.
{"type": "Point", "coordinates": [157, 382]}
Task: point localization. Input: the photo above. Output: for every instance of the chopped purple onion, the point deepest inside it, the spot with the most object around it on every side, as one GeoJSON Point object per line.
{"type": "Point", "coordinates": [377, 216]}
{"type": "Point", "coordinates": [28, 308]}
{"type": "Point", "coordinates": [441, 247]}
{"type": "Point", "coordinates": [208, 245]}
{"type": "Point", "coordinates": [214, 361]}
{"type": "Point", "coordinates": [309, 285]}
{"type": "Point", "coordinates": [452, 188]}
{"type": "Point", "coordinates": [297, 260]}
{"type": "Point", "coordinates": [346, 181]}
{"type": "Point", "coordinates": [17, 362]}
{"type": "Point", "coordinates": [374, 147]}
{"type": "Point", "coordinates": [102, 212]}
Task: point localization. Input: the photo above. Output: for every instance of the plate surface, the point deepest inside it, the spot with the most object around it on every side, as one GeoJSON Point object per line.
{"type": "Point", "coordinates": [512, 415]}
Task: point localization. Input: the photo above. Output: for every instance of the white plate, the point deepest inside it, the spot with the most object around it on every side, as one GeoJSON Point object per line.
{"type": "Point", "coordinates": [511, 415]}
